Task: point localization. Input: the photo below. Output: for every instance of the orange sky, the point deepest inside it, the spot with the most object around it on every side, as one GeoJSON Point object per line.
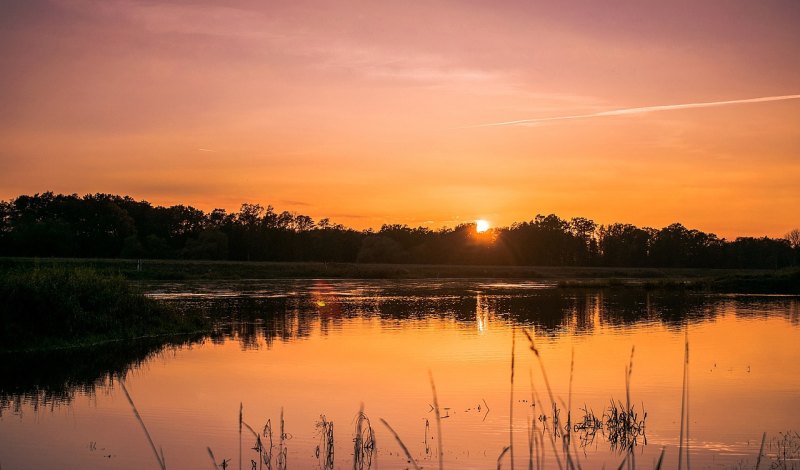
{"type": "Point", "coordinates": [372, 112]}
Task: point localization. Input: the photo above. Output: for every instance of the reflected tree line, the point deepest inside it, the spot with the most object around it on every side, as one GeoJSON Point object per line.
{"type": "Point", "coordinates": [47, 379]}
{"type": "Point", "coordinates": [110, 226]}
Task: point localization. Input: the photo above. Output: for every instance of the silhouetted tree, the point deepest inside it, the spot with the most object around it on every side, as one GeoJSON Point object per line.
{"type": "Point", "coordinates": [624, 245]}
{"type": "Point", "coordinates": [105, 225]}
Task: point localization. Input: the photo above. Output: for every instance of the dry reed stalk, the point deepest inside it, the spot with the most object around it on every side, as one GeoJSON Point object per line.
{"type": "Point", "coordinates": [761, 450]}
{"type": "Point", "coordinates": [534, 433]}
{"type": "Point", "coordinates": [402, 445]}
{"type": "Point", "coordinates": [549, 392]}
{"type": "Point", "coordinates": [241, 411]}
{"type": "Point", "coordinates": [660, 459]}
{"type": "Point", "coordinates": [213, 459]}
{"type": "Point", "coordinates": [684, 406]}
{"type": "Point", "coordinates": [628, 372]}
{"type": "Point", "coordinates": [500, 457]}
{"type": "Point", "coordinates": [511, 403]}
{"type": "Point", "coordinates": [258, 446]}
{"type": "Point", "coordinates": [282, 450]}
{"type": "Point", "coordinates": [438, 421]}
{"type": "Point", "coordinates": [567, 437]}
{"type": "Point", "coordinates": [159, 458]}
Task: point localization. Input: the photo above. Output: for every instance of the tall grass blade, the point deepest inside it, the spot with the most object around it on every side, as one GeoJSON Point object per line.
{"type": "Point", "coordinates": [402, 445]}
{"type": "Point", "coordinates": [660, 459]}
{"type": "Point", "coordinates": [684, 404]}
{"type": "Point", "coordinates": [761, 450]}
{"type": "Point", "coordinates": [438, 421]}
{"type": "Point", "coordinates": [213, 459]}
{"type": "Point", "coordinates": [241, 411]}
{"type": "Point", "coordinates": [511, 403]}
{"type": "Point", "coordinates": [146, 432]}
{"type": "Point", "coordinates": [549, 392]}
{"type": "Point", "coordinates": [500, 457]}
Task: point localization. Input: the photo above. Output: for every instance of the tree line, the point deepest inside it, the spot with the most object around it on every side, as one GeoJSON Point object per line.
{"type": "Point", "coordinates": [111, 226]}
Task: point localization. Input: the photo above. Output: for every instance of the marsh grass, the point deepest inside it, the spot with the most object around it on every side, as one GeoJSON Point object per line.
{"type": "Point", "coordinates": [56, 307]}
{"type": "Point", "coordinates": [718, 280]}
{"type": "Point", "coordinates": [785, 451]}
{"type": "Point", "coordinates": [621, 423]}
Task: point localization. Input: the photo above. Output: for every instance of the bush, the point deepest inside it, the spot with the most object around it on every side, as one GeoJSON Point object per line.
{"type": "Point", "coordinates": [52, 307]}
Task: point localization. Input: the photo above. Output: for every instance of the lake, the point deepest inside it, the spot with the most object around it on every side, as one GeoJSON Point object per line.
{"type": "Point", "coordinates": [304, 354]}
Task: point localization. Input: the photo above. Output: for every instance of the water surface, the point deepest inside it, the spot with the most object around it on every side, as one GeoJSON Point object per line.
{"type": "Point", "coordinates": [320, 347]}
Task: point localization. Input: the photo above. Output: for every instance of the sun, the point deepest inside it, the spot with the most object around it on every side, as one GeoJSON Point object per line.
{"type": "Point", "coordinates": [481, 225]}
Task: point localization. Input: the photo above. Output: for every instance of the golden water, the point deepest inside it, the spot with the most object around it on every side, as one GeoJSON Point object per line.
{"type": "Point", "coordinates": [314, 348]}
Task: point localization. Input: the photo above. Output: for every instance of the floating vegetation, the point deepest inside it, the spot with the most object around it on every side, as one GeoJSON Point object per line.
{"type": "Point", "coordinates": [587, 427]}
{"type": "Point", "coordinates": [623, 427]}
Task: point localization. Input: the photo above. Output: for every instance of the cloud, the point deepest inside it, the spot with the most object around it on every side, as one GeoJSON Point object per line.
{"type": "Point", "coordinates": [639, 110]}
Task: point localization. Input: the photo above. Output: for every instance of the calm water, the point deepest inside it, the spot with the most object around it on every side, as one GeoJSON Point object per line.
{"type": "Point", "coordinates": [313, 348]}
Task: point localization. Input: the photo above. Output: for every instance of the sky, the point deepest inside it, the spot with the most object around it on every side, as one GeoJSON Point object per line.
{"type": "Point", "coordinates": [420, 112]}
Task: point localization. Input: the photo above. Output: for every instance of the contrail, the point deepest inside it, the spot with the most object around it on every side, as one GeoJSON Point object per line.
{"type": "Point", "coordinates": [642, 110]}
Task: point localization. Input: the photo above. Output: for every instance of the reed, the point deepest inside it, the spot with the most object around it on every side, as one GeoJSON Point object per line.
{"type": "Point", "coordinates": [511, 403]}
{"type": "Point", "coordinates": [684, 432]}
{"type": "Point", "coordinates": [223, 464]}
{"type": "Point", "coordinates": [241, 411]}
{"type": "Point", "coordinates": [438, 421]}
{"type": "Point", "coordinates": [159, 458]}
{"type": "Point", "coordinates": [258, 446]}
{"type": "Point", "coordinates": [761, 451]}
{"type": "Point", "coordinates": [549, 392]}
{"type": "Point", "coordinates": [500, 457]}
{"type": "Point", "coordinates": [283, 452]}
{"type": "Point", "coordinates": [402, 445]}
{"type": "Point", "coordinates": [660, 459]}
{"type": "Point", "coordinates": [622, 423]}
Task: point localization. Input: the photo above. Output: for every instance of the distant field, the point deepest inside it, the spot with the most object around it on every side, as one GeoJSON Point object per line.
{"type": "Point", "coordinates": [777, 281]}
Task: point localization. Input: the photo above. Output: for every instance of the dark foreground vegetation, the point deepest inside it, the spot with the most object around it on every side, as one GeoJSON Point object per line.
{"type": "Point", "coordinates": [109, 226]}
{"type": "Point", "coordinates": [54, 307]}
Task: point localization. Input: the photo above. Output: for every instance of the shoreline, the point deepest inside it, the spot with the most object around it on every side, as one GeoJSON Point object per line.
{"type": "Point", "coordinates": [775, 281]}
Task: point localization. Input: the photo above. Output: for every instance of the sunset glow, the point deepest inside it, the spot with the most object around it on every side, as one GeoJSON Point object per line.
{"type": "Point", "coordinates": [370, 113]}
{"type": "Point", "coordinates": [481, 225]}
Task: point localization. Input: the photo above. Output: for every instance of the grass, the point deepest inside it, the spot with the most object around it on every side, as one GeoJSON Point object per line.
{"type": "Point", "coordinates": [621, 423]}
{"type": "Point", "coordinates": [726, 280]}
{"type": "Point", "coordinates": [734, 281]}
{"type": "Point", "coordinates": [56, 307]}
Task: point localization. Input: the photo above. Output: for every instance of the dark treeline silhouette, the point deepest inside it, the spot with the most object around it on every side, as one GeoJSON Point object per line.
{"type": "Point", "coordinates": [110, 226]}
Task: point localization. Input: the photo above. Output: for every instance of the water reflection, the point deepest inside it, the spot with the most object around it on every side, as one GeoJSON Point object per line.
{"type": "Point", "coordinates": [550, 311]}
{"type": "Point", "coordinates": [52, 378]}
{"type": "Point", "coordinates": [256, 315]}
{"type": "Point", "coordinates": [321, 347]}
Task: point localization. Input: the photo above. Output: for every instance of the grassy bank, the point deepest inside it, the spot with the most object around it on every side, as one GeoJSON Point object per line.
{"type": "Point", "coordinates": [63, 306]}
{"type": "Point", "coordinates": [734, 281]}
{"type": "Point", "coordinates": [719, 280]}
